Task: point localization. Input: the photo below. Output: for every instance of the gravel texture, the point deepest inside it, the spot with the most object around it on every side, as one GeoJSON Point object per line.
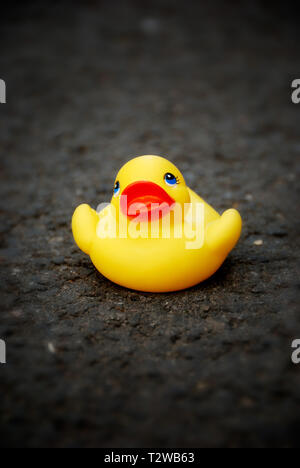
{"type": "Point", "coordinates": [90, 85]}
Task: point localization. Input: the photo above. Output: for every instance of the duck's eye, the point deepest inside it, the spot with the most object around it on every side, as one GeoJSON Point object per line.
{"type": "Point", "coordinates": [170, 179]}
{"type": "Point", "coordinates": [116, 188]}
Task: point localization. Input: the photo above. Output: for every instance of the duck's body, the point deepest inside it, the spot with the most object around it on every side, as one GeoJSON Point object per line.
{"type": "Point", "coordinates": [163, 262]}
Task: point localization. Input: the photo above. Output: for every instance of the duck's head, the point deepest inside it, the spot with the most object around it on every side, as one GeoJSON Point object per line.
{"type": "Point", "coordinates": [148, 181]}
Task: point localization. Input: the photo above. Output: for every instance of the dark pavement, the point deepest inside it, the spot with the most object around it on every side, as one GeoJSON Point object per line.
{"type": "Point", "coordinates": [90, 85]}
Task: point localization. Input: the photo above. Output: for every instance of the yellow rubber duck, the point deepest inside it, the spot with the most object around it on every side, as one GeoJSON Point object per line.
{"type": "Point", "coordinates": [156, 235]}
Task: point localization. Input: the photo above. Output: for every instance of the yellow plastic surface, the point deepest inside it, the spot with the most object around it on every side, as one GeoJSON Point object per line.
{"type": "Point", "coordinates": [156, 264]}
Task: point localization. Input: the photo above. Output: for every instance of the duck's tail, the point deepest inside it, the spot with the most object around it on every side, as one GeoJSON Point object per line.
{"type": "Point", "coordinates": [84, 222]}
{"type": "Point", "coordinates": [223, 233]}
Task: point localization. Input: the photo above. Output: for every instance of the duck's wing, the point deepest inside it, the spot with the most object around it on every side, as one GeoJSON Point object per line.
{"type": "Point", "coordinates": [222, 234]}
{"type": "Point", "coordinates": [84, 222]}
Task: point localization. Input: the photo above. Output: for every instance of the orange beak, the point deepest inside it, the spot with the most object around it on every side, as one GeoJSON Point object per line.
{"type": "Point", "coordinates": [145, 198]}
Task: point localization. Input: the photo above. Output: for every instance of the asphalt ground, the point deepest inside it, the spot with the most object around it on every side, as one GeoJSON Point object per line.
{"type": "Point", "coordinates": [90, 85]}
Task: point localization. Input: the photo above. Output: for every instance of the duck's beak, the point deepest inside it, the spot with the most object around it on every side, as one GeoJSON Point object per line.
{"type": "Point", "coordinates": [145, 198]}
